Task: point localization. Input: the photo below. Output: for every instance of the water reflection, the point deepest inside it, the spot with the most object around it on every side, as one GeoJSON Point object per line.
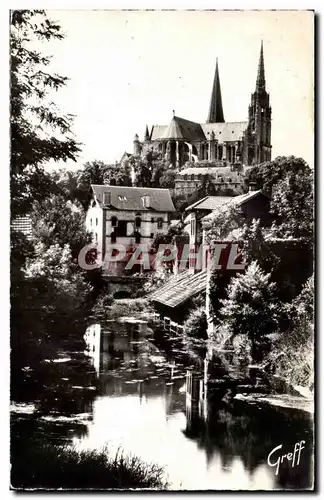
{"type": "Point", "coordinates": [153, 401]}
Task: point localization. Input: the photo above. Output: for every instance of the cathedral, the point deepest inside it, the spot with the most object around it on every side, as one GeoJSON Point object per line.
{"type": "Point", "coordinates": [225, 144]}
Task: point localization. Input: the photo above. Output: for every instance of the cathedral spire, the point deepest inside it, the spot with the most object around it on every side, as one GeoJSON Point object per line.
{"type": "Point", "coordinates": [216, 114]}
{"type": "Point", "coordinates": [146, 134]}
{"type": "Point", "coordinates": [260, 83]}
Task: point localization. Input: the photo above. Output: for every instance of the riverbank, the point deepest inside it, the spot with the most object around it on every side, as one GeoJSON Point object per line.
{"type": "Point", "coordinates": [41, 466]}
{"type": "Point", "coordinates": [280, 400]}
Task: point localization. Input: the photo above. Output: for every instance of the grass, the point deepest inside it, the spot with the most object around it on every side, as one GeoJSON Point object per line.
{"type": "Point", "coordinates": [37, 466]}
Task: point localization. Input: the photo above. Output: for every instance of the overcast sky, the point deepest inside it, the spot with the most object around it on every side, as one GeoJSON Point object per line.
{"type": "Point", "coordinates": [128, 69]}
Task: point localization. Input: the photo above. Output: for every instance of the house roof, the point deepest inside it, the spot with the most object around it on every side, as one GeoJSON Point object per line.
{"type": "Point", "coordinates": [240, 200]}
{"type": "Point", "coordinates": [130, 198]}
{"type": "Point", "coordinates": [243, 198]}
{"type": "Point", "coordinates": [209, 203]}
{"type": "Point", "coordinates": [23, 225]}
{"type": "Point", "coordinates": [180, 288]}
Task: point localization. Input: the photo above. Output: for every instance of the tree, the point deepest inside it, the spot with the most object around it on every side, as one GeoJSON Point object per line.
{"type": "Point", "coordinates": [293, 202]}
{"type": "Point", "coordinates": [222, 222]}
{"type": "Point", "coordinates": [256, 247]}
{"type": "Point", "coordinates": [92, 173]}
{"type": "Point", "coordinates": [58, 221]}
{"type": "Point", "coordinates": [118, 175]}
{"type": "Point", "coordinates": [143, 172]}
{"type": "Point", "coordinates": [149, 168]}
{"type": "Point", "coordinates": [51, 271]}
{"type": "Point", "coordinates": [219, 281]}
{"type": "Point", "coordinates": [169, 237]}
{"type": "Point", "coordinates": [196, 324]}
{"type": "Point", "coordinates": [167, 179]}
{"type": "Point", "coordinates": [290, 182]}
{"type": "Point", "coordinates": [66, 182]}
{"type": "Point", "coordinates": [268, 174]}
{"type": "Point", "coordinates": [39, 132]}
{"type": "Point", "coordinates": [250, 308]}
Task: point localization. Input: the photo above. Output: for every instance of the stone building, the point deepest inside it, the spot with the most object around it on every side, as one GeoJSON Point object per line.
{"type": "Point", "coordinates": [216, 180]}
{"type": "Point", "coordinates": [232, 144]}
{"type": "Point", "coordinates": [127, 215]}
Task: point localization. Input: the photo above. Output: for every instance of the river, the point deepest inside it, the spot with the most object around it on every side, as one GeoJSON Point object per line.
{"type": "Point", "coordinates": [140, 389]}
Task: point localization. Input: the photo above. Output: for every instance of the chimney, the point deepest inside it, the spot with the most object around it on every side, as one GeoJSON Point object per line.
{"type": "Point", "coordinates": [107, 198]}
{"type": "Point", "coordinates": [253, 187]}
{"type": "Point", "coordinates": [146, 201]}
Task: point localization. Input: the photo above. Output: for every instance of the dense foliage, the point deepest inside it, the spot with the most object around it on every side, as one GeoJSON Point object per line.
{"type": "Point", "coordinates": [290, 182]}
{"type": "Point", "coordinates": [39, 132]}
{"type": "Point", "coordinates": [46, 285]}
{"type": "Point", "coordinates": [260, 308]}
{"type": "Point", "coordinates": [196, 323]}
{"type": "Point", "coordinates": [250, 308]}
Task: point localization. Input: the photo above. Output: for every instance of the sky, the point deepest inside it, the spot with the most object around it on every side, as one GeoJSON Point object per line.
{"type": "Point", "coordinates": [132, 68]}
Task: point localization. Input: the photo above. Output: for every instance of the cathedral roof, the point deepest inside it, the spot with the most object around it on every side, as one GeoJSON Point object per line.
{"type": "Point", "coordinates": [227, 131]}
{"type": "Point", "coordinates": [158, 132]}
{"type": "Point", "coordinates": [180, 129]}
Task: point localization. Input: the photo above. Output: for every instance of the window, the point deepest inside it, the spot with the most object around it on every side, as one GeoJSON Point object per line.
{"type": "Point", "coordinates": [96, 237]}
{"type": "Point", "coordinates": [152, 220]}
{"type": "Point", "coordinates": [160, 223]}
{"type": "Point", "coordinates": [114, 221]}
{"type": "Point", "coordinates": [138, 222]}
{"type": "Point", "coordinates": [90, 222]}
{"type": "Point", "coordinates": [96, 221]}
{"type": "Point", "coordinates": [192, 227]}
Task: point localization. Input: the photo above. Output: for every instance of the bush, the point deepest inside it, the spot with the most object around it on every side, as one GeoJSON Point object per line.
{"type": "Point", "coordinates": [250, 308]}
{"type": "Point", "coordinates": [292, 354]}
{"type": "Point", "coordinates": [196, 324]}
{"type": "Point", "coordinates": [156, 279]}
{"type": "Point", "coordinates": [52, 467]}
{"type": "Point", "coordinates": [103, 303]}
{"type": "Point", "coordinates": [140, 307]}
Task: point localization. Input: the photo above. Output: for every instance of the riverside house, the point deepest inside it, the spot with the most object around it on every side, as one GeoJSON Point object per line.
{"type": "Point", "coordinates": [127, 215]}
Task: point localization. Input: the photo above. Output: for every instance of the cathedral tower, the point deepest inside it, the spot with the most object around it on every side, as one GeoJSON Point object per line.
{"type": "Point", "coordinates": [258, 133]}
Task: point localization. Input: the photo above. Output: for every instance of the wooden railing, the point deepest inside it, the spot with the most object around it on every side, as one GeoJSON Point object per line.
{"type": "Point", "coordinates": [167, 323]}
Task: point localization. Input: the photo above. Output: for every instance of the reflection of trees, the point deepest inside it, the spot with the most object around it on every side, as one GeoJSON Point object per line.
{"type": "Point", "coordinates": [249, 432]}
